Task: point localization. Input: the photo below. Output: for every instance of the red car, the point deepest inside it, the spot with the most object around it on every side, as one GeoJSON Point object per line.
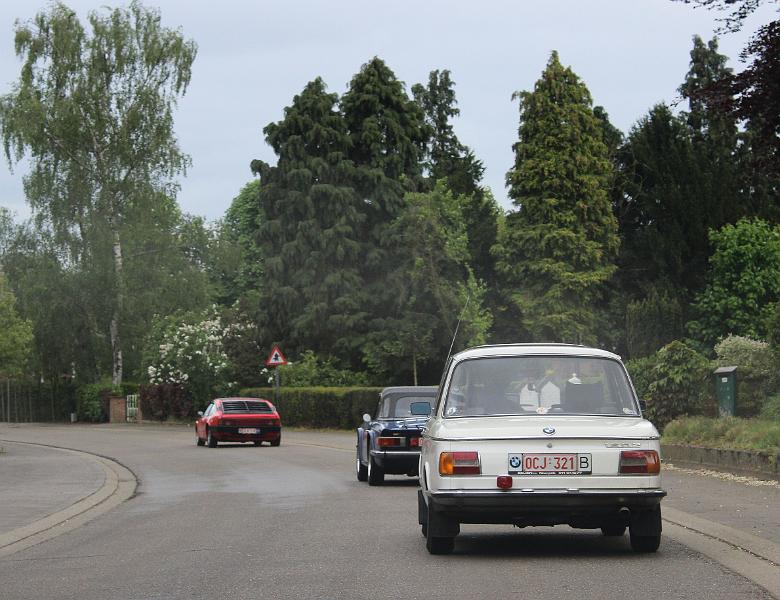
{"type": "Point", "coordinates": [238, 420]}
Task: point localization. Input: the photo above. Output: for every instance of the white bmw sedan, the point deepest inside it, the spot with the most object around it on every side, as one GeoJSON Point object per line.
{"type": "Point", "coordinates": [541, 434]}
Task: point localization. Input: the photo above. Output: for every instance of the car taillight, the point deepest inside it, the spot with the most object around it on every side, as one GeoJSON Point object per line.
{"type": "Point", "coordinates": [216, 421]}
{"type": "Point", "coordinates": [459, 463]}
{"type": "Point", "coordinates": [384, 442]}
{"type": "Point", "coordinates": [645, 462]}
{"type": "Point", "coordinates": [414, 442]}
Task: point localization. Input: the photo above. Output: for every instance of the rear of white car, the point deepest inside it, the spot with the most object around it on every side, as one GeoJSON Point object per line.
{"type": "Point", "coordinates": [539, 435]}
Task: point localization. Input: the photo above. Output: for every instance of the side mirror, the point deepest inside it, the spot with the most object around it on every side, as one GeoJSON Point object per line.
{"type": "Point", "coordinates": [366, 418]}
{"type": "Point", "coordinates": [422, 409]}
{"type": "Point", "coordinates": [642, 405]}
{"type": "Point", "coordinates": [200, 413]}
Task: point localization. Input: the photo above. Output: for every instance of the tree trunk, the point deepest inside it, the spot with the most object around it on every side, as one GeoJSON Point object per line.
{"type": "Point", "coordinates": [116, 343]}
{"type": "Point", "coordinates": [414, 367]}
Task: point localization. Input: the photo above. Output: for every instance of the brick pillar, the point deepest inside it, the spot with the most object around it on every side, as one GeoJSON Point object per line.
{"type": "Point", "coordinates": [117, 409]}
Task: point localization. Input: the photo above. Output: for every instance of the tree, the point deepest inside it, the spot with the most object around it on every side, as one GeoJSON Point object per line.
{"type": "Point", "coordinates": [557, 247]}
{"type": "Point", "coordinates": [17, 338]}
{"type": "Point", "coordinates": [743, 282]}
{"type": "Point", "coordinates": [664, 211]}
{"type": "Point", "coordinates": [432, 287]}
{"type": "Point", "coordinates": [95, 113]}
{"type": "Point", "coordinates": [447, 158]}
{"type": "Point", "coordinates": [311, 235]}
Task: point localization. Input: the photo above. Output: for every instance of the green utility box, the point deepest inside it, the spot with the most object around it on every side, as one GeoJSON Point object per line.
{"type": "Point", "coordinates": [726, 390]}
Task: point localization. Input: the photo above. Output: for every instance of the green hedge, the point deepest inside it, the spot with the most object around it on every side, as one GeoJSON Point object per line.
{"type": "Point", "coordinates": [341, 407]}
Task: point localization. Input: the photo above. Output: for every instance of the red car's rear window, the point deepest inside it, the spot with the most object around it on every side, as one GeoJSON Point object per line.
{"type": "Point", "coordinates": [245, 407]}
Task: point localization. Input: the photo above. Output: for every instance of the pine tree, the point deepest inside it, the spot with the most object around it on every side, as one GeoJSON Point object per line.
{"type": "Point", "coordinates": [310, 234]}
{"type": "Point", "coordinates": [557, 247]}
{"type": "Point", "coordinates": [387, 135]}
{"type": "Point", "coordinates": [447, 158]}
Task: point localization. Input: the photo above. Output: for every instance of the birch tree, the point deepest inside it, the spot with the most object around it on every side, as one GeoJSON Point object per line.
{"type": "Point", "coordinates": [93, 110]}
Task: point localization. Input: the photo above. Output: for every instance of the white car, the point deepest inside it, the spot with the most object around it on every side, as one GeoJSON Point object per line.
{"type": "Point", "coordinates": [539, 434]}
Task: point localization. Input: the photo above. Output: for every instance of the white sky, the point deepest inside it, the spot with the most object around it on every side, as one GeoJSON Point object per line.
{"type": "Point", "coordinates": [253, 56]}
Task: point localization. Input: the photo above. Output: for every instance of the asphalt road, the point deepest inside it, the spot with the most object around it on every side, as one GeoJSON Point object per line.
{"type": "Point", "coordinates": [241, 522]}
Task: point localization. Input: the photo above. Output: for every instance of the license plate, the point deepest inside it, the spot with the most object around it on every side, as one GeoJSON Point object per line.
{"type": "Point", "coordinates": [550, 464]}
{"type": "Point", "coordinates": [248, 430]}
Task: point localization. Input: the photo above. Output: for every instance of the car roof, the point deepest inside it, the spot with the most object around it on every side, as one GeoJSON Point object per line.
{"type": "Point", "coordinates": [532, 350]}
{"type": "Point", "coordinates": [241, 398]}
{"type": "Point", "coordinates": [424, 390]}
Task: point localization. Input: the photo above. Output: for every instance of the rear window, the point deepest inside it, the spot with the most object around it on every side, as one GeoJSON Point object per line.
{"type": "Point", "coordinates": [245, 406]}
{"type": "Point", "coordinates": [539, 385]}
{"type": "Point", "coordinates": [399, 407]}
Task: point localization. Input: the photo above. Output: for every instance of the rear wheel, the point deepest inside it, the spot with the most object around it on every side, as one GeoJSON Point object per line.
{"type": "Point", "coordinates": [440, 533]}
{"type": "Point", "coordinates": [277, 441]}
{"type": "Point", "coordinates": [645, 531]}
{"type": "Point", "coordinates": [376, 474]}
{"type": "Point", "coordinates": [199, 441]}
{"type": "Point", "coordinates": [362, 470]}
{"type": "Point", "coordinates": [211, 441]}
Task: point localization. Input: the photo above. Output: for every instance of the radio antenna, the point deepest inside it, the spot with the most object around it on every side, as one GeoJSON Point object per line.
{"type": "Point", "coordinates": [457, 326]}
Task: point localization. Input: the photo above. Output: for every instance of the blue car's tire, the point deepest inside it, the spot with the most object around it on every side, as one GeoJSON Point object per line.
{"type": "Point", "coordinates": [376, 474]}
{"type": "Point", "coordinates": [362, 470]}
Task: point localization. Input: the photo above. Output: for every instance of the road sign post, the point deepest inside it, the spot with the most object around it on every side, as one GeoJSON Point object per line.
{"type": "Point", "coordinates": [276, 359]}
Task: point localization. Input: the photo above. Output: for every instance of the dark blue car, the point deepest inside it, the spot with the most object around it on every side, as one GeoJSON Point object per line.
{"type": "Point", "coordinates": [390, 443]}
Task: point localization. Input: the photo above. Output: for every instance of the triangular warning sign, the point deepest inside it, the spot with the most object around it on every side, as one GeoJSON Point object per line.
{"type": "Point", "coordinates": [276, 358]}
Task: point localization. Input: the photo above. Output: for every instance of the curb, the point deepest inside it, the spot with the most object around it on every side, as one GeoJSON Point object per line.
{"type": "Point", "coordinates": [753, 557]}
{"type": "Point", "coordinates": [119, 485]}
{"type": "Point", "coordinates": [740, 462]}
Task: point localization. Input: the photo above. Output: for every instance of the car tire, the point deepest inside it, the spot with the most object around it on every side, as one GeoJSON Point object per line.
{"type": "Point", "coordinates": [362, 470]}
{"type": "Point", "coordinates": [376, 475]}
{"type": "Point", "coordinates": [614, 530]}
{"type": "Point", "coordinates": [436, 523]}
{"type": "Point", "coordinates": [199, 441]}
{"type": "Point", "coordinates": [211, 441]}
{"type": "Point", "coordinates": [277, 441]}
{"type": "Point", "coordinates": [439, 545]}
{"type": "Point", "coordinates": [645, 532]}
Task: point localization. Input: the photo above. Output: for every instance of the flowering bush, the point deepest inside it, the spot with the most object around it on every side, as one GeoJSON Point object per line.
{"type": "Point", "coordinates": [188, 350]}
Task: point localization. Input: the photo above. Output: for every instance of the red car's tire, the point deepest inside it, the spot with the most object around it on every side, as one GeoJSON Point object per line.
{"type": "Point", "coordinates": [199, 441]}
{"type": "Point", "coordinates": [277, 441]}
{"type": "Point", "coordinates": [211, 441]}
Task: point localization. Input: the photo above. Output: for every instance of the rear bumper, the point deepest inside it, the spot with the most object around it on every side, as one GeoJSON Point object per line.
{"type": "Point", "coordinates": [397, 461]}
{"type": "Point", "coordinates": [230, 434]}
{"type": "Point", "coordinates": [580, 508]}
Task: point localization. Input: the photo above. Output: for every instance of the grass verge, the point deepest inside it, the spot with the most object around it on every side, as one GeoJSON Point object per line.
{"type": "Point", "coordinates": [729, 432]}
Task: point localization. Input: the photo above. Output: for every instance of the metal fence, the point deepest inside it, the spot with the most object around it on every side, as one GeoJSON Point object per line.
{"type": "Point", "coordinates": [27, 401]}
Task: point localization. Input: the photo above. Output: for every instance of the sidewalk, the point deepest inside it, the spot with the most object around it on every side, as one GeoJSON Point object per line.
{"type": "Point", "coordinates": [36, 482]}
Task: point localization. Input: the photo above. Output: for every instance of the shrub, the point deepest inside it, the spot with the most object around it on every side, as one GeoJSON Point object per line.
{"type": "Point", "coordinates": [311, 371]}
{"type": "Point", "coordinates": [756, 378]}
{"type": "Point", "coordinates": [158, 402]}
{"type": "Point", "coordinates": [679, 383]}
{"type": "Point", "coordinates": [320, 406]}
{"type": "Point", "coordinates": [92, 402]}
{"type": "Point", "coordinates": [771, 408]}
{"type": "Point", "coordinates": [653, 322]}
{"type": "Point", "coordinates": [188, 350]}
{"type": "Point", "coordinates": [727, 432]}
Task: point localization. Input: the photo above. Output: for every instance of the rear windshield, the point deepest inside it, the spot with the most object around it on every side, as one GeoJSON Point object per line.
{"type": "Point", "coordinates": [539, 385]}
{"type": "Point", "coordinates": [245, 406]}
{"type": "Point", "coordinates": [399, 407]}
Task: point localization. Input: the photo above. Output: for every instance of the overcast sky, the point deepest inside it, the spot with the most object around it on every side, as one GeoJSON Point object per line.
{"type": "Point", "coordinates": [253, 56]}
